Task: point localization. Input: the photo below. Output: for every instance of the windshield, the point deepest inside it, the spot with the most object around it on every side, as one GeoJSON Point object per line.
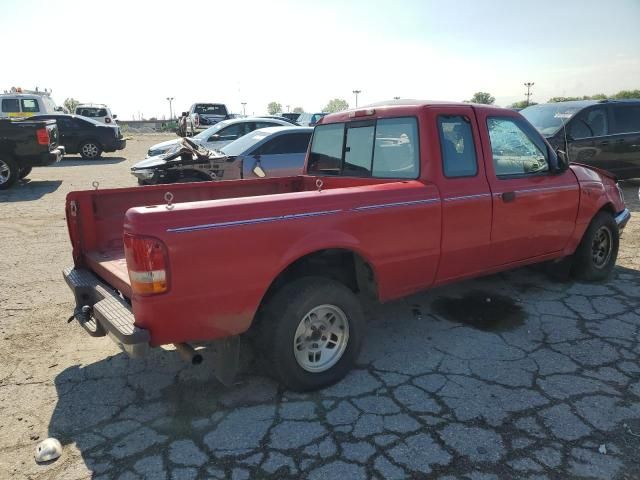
{"type": "Point", "coordinates": [548, 118]}
{"type": "Point", "coordinates": [244, 144]}
{"type": "Point", "coordinates": [211, 109]}
{"type": "Point", "coordinates": [205, 134]}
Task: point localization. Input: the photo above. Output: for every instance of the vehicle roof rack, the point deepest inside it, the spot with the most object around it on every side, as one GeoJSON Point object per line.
{"type": "Point", "coordinates": [37, 91]}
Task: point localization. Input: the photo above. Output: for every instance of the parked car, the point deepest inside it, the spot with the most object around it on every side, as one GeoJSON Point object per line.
{"type": "Point", "coordinates": [203, 115]}
{"type": "Point", "coordinates": [395, 199]}
{"type": "Point", "coordinates": [266, 152]}
{"type": "Point", "coordinates": [309, 119]}
{"type": "Point", "coordinates": [99, 112]}
{"type": "Point", "coordinates": [219, 135]}
{"type": "Point", "coordinates": [23, 105]}
{"type": "Point", "coordinates": [25, 144]}
{"type": "Point", "coordinates": [280, 117]}
{"type": "Point", "coordinates": [86, 136]}
{"type": "Point", "coordinates": [599, 133]}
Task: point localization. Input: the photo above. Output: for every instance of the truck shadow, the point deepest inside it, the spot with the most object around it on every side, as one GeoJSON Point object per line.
{"type": "Point", "coordinates": [28, 190]}
{"type": "Point", "coordinates": [118, 410]}
{"type": "Point", "coordinates": [78, 161]}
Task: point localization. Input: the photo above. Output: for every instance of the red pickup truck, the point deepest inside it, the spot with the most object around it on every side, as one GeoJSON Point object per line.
{"type": "Point", "coordinates": [395, 199]}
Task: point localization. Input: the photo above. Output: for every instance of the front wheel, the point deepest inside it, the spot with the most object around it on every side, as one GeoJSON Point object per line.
{"type": "Point", "coordinates": [9, 172]}
{"type": "Point", "coordinates": [596, 255]}
{"type": "Point", "coordinates": [312, 332]}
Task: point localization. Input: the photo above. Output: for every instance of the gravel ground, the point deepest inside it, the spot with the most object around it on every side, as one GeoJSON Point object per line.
{"type": "Point", "coordinates": [543, 383]}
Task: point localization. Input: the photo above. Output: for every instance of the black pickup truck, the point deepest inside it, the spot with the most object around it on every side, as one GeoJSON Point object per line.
{"type": "Point", "coordinates": [25, 144]}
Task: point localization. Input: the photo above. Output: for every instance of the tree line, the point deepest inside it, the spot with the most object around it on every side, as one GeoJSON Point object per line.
{"type": "Point", "coordinates": [487, 99]}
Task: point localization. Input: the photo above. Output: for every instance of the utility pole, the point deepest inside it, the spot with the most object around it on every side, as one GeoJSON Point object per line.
{"type": "Point", "coordinates": [356, 92]}
{"type": "Point", "coordinates": [244, 108]}
{"type": "Point", "coordinates": [170, 99]}
{"type": "Point", "coordinates": [528, 94]}
{"type": "Point", "coordinates": [288, 106]}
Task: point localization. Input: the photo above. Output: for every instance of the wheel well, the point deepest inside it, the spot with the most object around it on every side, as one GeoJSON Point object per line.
{"type": "Point", "coordinates": [90, 139]}
{"type": "Point", "coordinates": [344, 266]}
{"type": "Point", "coordinates": [608, 207]}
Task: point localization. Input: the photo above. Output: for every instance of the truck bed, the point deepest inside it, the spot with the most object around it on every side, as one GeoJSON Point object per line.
{"type": "Point", "coordinates": [96, 217]}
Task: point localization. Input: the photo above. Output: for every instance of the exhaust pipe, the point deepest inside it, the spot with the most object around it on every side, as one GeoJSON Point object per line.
{"type": "Point", "coordinates": [188, 353]}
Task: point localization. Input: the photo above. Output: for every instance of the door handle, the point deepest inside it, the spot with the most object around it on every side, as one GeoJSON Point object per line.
{"type": "Point", "coordinates": [508, 196]}
{"type": "Point", "coordinates": [604, 143]}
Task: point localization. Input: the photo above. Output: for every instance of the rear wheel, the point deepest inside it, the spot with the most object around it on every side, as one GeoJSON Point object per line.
{"type": "Point", "coordinates": [24, 171]}
{"type": "Point", "coordinates": [9, 172]}
{"type": "Point", "coordinates": [312, 330]}
{"type": "Point", "coordinates": [90, 150]}
{"type": "Point", "coordinates": [596, 255]}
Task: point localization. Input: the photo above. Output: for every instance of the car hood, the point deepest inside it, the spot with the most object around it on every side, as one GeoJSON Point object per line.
{"type": "Point", "coordinates": [163, 145]}
{"type": "Point", "coordinates": [150, 162]}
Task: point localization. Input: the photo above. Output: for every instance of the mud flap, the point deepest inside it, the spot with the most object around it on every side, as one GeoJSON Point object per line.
{"type": "Point", "coordinates": [227, 359]}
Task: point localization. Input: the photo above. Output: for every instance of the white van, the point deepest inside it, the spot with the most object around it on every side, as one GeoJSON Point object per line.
{"type": "Point", "coordinates": [98, 111]}
{"type": "Point", "coordinates": [23, 105]}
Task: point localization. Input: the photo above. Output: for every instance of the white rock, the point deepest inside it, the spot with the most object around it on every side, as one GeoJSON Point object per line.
{"type": "Point", "coordinates": [48, 449]}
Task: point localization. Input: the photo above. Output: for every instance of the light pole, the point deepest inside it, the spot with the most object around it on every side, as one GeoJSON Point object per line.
{"type": "Point", "coordinates": [244, 108]}
{"type": "Point", "coordinates": [356, 92]}
{"type": "Point", "coordinates": [288, 106]}
{"type": "Point", "coordinates": [170, 99]}
{"type": "Point", "coordinates": [528, 94]}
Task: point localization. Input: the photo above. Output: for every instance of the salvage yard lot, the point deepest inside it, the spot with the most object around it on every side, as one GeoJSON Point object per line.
{"type": "Point", "coordinates": [542, 383]}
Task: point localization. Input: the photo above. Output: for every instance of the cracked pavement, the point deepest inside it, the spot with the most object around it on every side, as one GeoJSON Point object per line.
{"type": "Point", "coordinates": [532, 378]}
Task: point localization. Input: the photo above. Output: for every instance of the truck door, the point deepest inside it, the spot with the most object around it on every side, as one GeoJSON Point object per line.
{"type": "Point", "coordinates": [466, 199]}
{"type": "Point", "coordinates": [534, 209]}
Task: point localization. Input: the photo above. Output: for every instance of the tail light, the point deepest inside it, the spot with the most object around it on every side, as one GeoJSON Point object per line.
{"type": "Point", "coordinates": [107, 120]}
{"type": "Point", "coordinates": [43, 136]}
{"type": "Point", "coordinates": [147, 262]}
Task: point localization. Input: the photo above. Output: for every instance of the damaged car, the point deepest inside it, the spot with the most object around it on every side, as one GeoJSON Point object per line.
{"type": "Point", "coordinates": [266, 152]}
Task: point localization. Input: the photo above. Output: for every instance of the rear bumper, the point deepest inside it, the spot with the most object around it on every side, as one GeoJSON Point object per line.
{"type": "Point", "coordinates": [101, 311]}
{"type": "Point", "coordinates": [622, 218]}
{"type": "Point", "coordinates": [119, 144]}
{"type": "Point", "coordinates": [45, 158]}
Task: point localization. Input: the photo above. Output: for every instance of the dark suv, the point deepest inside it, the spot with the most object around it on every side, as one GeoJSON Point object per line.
{"type": "Point", "coordinates": [603, 134]}
{"type": "Point", "coordinates": [86, 136]}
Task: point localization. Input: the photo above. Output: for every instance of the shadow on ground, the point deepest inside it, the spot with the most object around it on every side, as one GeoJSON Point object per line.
{"type": "Point", "coordinates": [28, 190]}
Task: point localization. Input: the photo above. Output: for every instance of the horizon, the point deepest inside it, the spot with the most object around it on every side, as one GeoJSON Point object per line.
{"type": "Point", "coordinates": [137, 57]}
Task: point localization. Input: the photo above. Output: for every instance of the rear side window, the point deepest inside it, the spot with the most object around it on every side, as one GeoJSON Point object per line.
{"type": "Point", "coordinates": [515, 151]}
{"type": "Point", "coordinates": [10, 105]}
{"type": "Point", "coordinates": [92, 112]}
{"type": "Point", "coordinates": [626, 118]}
{"type": "Point", "coordinates": [30, 105]}
{"type": "Point", "coordinates": [457, 147]}
{"type": "Point", "coordinates": [386, 148]}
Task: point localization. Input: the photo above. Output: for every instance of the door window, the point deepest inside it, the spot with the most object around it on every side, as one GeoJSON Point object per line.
{"type": "Point", "coordinates": [515, 152]}
{"type": "Point", "coordinates": [457, 147]}
{"type": "Point", "coordinates": [590, 123]}
{"type": "Point", "coordinates": [232, 132]}
{"type": "Point", "coordinates": [30, 105]}
{"type": "Point", "coordinates": [10, 105]}
{"type": "Point", "coordinates": [285, 144]}
{"type": "Point", "coordinates": [626, 118]}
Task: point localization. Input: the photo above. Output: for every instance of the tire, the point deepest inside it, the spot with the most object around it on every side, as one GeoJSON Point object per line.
{"type": "Point", "coordinates": [290, 320]}
{"type": "Point", "coordinates": [90, 150]}
{"type": "Point", "coordinates": [9, 172]}
{"type": "Point", "coordinates": [596, 255]}
{"type": "Point", "coordinates": [189, 180]}
{"type": "Point", "coordinates": [24, 171]}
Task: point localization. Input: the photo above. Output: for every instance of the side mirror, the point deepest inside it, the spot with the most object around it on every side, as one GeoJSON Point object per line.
{"type": "Point", "coordinates": [257, 169]}
{"type": "Point", "coordinates": [562, 160]}
{"type": "Point", "coordinates": [184, 114]}
{"type": "Point", "coordinates": [214, 138]}
{"type": "Point", "coordinates": [115, 116]}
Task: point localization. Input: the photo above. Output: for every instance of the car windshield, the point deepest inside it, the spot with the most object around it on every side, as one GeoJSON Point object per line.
{"type": "Point", "coordinates": [244, 144]}
{"type": "Point", "coordinates": [548, 118]}
{"type": "Point", "coordinates": [211, 109]}
{"type": "Point", "coordinates": [205, 134]}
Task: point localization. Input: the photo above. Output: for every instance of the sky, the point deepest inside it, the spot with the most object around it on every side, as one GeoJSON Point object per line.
{"type": "Point", "coordinates": [132, 55]}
